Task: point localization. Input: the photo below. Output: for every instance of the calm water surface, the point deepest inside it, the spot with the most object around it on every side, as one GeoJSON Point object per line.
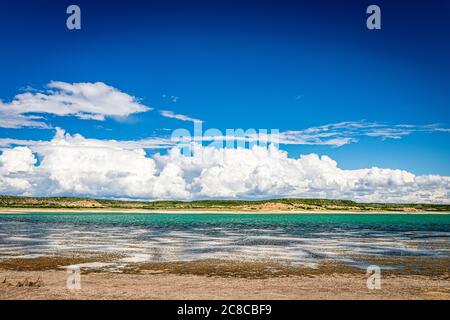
{"type": "Point", "coordinates": [303, 239]}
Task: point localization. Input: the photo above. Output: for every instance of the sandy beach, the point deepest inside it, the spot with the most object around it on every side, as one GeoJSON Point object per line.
{"type": "Point", "coordinates": [43, 278]}
{"type": "Point", "coordinates": [52, 285]}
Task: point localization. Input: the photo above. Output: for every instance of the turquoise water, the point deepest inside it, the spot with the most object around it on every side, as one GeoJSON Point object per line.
{"type": "Point", "coordinates": [303, 239]}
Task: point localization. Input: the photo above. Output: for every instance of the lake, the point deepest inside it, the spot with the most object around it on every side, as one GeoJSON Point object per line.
{"type": "Point", "coordinates": [298, 239]}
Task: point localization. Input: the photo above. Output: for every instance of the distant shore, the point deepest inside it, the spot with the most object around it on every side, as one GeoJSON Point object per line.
{"type": "Point", "coordinates": [202, 211]}
{"type": "Point", "coordinates": [15, 204]}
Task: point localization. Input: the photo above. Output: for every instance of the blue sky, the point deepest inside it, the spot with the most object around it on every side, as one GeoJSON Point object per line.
{"type": "Point", "coordinates": [269, 65]}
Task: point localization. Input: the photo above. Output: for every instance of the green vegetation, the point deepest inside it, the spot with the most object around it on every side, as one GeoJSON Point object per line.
{"type": "Point", "coordinates": [241, 205]}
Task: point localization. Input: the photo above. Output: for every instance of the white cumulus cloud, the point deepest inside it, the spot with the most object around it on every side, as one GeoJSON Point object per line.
{"type": "Point", "coordinates": [83, 100]}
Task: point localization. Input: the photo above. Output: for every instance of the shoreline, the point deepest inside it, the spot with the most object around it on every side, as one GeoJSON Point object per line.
{"type": "Point", "coordinates": [182, 211]}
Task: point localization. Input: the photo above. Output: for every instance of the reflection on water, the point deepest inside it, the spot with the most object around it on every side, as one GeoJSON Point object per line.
{"type": "Point", "coordinates": [298, 239]}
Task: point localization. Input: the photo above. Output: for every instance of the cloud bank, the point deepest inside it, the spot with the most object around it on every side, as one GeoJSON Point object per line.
{"type": "Point", "coordinates": [74, 165]}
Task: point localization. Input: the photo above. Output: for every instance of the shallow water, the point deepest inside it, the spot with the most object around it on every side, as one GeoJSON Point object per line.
{"type": "Point", "coordinates": [302, 239]}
